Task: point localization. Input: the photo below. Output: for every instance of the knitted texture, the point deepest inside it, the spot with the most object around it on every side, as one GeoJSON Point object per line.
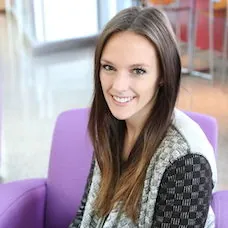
{"type": "Point", "coordinates": [184, 194]}
{"type": "Point", "coordinates": [177, 188]}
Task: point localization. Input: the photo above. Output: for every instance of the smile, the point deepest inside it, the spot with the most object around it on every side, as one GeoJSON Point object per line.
{"type": "Point", "coordinates": [122, 99]}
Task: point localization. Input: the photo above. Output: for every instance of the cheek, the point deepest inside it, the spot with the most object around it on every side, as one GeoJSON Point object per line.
{"type": "Point", "coordinates": [146, 89]}
{"type": "Point", "coordinates": [148, 94]}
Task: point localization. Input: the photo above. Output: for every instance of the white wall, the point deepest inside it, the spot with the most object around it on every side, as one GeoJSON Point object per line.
{"type": "Point", "coordinates": [65, 19]}
{"type": "Point", "coordinates": [108, 8]}
{"type": "Point", "coordinates": [54, 20]}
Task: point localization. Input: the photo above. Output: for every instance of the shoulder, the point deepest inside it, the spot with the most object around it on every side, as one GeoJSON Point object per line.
{"type": "Point", "coordinates": [191, 132]}
{"type": "Point", "coordinates": [184, 193]}
{"type": "Point", "coordinates": [193, 136]}
{"type": "Point", "coordinates": [189, 167]}
{"type": "Point", "coordinates": [191, 173]}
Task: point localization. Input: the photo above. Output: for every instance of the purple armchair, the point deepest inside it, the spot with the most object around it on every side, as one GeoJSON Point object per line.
{"type": "Point", "coordinates": [53, 202]}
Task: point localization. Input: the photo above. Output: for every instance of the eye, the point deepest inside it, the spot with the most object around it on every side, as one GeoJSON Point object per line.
{"type": "Point", "coordinates": [139, 71]}
{"type": "Point", "coordinates": [107, 67]}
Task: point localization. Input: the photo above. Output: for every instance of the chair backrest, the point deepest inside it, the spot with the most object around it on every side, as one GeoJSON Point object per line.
{"type": "Point", "coordinates": [70, 160]}
{"type": "Point", "coordinates": [209, 126]}
{"type": "Point", "coordinates": [69, 164]}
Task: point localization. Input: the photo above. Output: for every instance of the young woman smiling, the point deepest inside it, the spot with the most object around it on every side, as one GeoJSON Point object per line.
{"type": "Point", "coordinates": [152, 165]}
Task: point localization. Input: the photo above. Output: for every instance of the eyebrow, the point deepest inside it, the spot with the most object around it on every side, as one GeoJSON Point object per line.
{"type": "Point", "coordinates": [133, 65]}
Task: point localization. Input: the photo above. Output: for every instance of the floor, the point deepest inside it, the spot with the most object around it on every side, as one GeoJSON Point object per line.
{"type": "Point", "coordinates": [36, 89]}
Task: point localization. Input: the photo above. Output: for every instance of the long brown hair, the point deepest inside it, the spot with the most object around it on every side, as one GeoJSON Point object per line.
{"type": "Point", "coordinates": [107, 133]}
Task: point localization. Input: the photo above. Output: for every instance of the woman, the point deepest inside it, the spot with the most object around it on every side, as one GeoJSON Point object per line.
{"type": "Point", "coordinates": [152, 165]}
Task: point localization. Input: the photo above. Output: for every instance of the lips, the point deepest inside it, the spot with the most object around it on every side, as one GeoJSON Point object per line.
{"type": "Point", "coordinates": [122, 99]}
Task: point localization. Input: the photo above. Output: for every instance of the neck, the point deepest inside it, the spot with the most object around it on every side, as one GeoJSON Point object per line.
{"type": "Point", "coordinates": [132, 133]}
{"type": "Point", "coordinates": [135, 124]}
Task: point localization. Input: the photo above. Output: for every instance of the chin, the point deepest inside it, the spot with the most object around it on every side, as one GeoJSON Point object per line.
{"type": "Point", "coordinates": [121, 116]}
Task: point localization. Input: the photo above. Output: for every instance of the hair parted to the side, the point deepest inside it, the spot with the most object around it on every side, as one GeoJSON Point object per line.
{"type": "Point", "coordinates": [107, 133]}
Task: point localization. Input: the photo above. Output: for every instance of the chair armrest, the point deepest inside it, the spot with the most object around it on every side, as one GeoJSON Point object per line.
{"type": "Point", "coordinates": [220, 205]}
{"type": "Point", "coordinates": [22, 204]}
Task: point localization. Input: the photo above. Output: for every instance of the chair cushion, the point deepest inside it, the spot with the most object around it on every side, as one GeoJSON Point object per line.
{"type": "Point", "coordinates": [70, 161]}
{"type": "Point", "coordinates": [220, 206]}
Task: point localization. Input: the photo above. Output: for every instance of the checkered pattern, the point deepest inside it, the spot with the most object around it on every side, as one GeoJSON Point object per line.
{"type": "Point", "coordinates": [184, 194]}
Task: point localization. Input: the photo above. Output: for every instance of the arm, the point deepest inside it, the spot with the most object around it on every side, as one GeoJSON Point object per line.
{"type": "Point", "coordinates": [78, 219]}
{"type": "Point", "coordinates": [22, 204]}
{"type": "Point", "coordinates": [184, 194]}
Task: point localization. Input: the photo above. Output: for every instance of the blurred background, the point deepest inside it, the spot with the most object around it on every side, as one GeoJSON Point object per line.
{"type": "Point", "coordinates": [46, 67]}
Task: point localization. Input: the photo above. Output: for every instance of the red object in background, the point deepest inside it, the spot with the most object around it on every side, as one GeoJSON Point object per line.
{"type": "Point", "coordinates": [202, 32]}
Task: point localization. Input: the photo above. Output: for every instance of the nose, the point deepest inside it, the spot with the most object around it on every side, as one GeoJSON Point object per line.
{"type": "Point", "coordinates": [121, 82]}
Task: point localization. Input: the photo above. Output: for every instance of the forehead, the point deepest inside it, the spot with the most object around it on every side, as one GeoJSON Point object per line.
{"type": "Point", "coordinates": [130, 48]}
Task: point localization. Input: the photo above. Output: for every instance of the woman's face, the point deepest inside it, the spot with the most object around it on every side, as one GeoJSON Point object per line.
{"type": "Point", "coordinates": [128, 75]}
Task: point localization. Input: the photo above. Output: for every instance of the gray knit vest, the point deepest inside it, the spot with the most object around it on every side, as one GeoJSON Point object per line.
{"type": "Point", "coordinates": [183, 137]}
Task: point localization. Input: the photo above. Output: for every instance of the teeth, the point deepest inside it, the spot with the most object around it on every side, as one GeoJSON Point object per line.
{"type": "Point", "coordinates": [122, 99]}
